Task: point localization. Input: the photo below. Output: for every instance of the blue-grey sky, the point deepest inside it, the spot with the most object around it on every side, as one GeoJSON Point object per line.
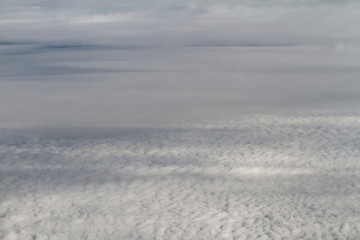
{"type": "Point", "coordinates": [142, 63]}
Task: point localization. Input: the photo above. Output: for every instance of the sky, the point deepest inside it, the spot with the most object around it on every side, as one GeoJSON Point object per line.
{"type": "Point", "coordinates": [159, 63]}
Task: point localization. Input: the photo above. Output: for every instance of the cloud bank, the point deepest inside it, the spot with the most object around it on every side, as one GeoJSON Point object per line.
{"type": "Point", "coordinates": [153, 63]}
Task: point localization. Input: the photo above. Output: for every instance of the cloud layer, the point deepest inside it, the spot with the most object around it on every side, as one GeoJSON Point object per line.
{"type": "Point", "coordinates": [256, 177]}
{"type": "Point", "coordinates": [118, 64]}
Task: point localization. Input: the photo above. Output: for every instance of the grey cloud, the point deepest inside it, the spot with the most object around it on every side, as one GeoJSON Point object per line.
{"type": "Point", "coordinates": [53, 70]}
{"type": "Point", "coordinates": [14, 43]}
{"type": "Point", "coordinates": [38, 47]}
{"type": "Point", "coordinates": [111, 64]}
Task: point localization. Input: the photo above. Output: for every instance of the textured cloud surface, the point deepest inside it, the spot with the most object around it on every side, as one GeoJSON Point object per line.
{"type": "Point", "coordinates": [266, 177]}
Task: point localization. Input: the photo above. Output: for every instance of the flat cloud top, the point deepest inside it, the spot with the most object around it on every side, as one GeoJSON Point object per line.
{"type": "Point", "coordinates": [152, 63]}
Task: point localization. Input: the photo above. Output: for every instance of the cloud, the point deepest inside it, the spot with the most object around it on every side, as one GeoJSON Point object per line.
{"type": "Point", "coordinates": [127, 63]}
{"type": "Point", "coordinates": [106, 18]}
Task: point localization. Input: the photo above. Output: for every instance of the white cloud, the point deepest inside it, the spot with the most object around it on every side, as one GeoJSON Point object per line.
{"type": "Point", "coordinates": [231, 119]}
{"type": "Point", "coordinates": [107, 18]}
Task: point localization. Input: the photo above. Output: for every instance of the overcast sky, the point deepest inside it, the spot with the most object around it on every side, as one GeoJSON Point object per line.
{"type": "Point", "coordinates": [155, 63]}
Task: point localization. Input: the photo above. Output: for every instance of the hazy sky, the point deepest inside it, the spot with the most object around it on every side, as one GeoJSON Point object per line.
{"type": "Point", "coordinates": [141, 63]}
